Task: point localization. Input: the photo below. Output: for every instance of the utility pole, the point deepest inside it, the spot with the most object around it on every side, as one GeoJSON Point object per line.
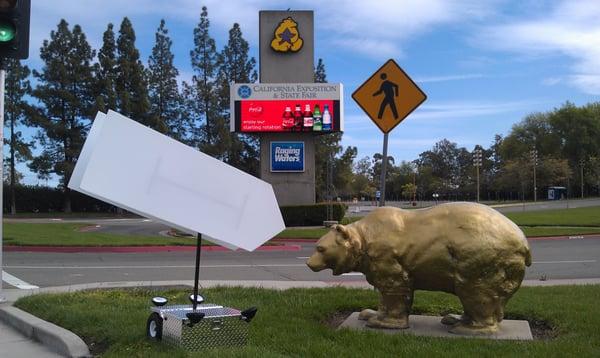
{"type": "Point", "coordinates": [581, 163]}
{"type": "Point", "coordinates": [2, 77]}
{"type": "Point", "coordinates": [477, 161]}
{"type": "Point", "coordinates": [534, 160]}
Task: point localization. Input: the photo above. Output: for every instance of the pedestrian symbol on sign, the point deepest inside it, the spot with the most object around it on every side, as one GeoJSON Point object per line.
{"type": "Point", "coordinates": [390, 92]}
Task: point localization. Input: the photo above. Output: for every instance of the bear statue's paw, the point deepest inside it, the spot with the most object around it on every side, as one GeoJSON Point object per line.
{"type": "Point", "coordinates": [473, 330]}
{"type": "Point", "coordinates": [451, 319]}
{"type": "Point", "coordinates": [387, 322]}
{"type": "Point", "coordinates": [365, 314]}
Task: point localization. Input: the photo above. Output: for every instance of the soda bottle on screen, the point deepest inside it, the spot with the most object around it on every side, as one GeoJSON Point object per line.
{"type": "Point", "coordinates": [326, 118]}
{"type": "Point", "coordinates": [288, 119]}
{"type": "Point", "coordinates": [298, 119]}
{"type": "Point", "coordinates": [308, 118]}
{"type": "Point", "coordinates": [317, 119]}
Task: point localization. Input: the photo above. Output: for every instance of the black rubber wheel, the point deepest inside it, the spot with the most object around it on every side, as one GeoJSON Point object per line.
{"type": "Point", "coordinates": [154, 326]}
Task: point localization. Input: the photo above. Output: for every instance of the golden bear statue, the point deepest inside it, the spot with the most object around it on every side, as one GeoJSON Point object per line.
{"type": "Point", "coordinates": [466, 249]}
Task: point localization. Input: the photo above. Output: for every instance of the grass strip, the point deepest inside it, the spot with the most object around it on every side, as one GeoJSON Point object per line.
{"type": "Point", "coordinates": [589, 216]}
{"type": "Point", "coordinates": [294, 323]}
{"type": "Point", "coordinates": [67, 234]}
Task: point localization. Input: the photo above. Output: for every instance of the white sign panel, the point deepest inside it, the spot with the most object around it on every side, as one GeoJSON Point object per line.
{"type": "Point", "coordinates": [136, 168]}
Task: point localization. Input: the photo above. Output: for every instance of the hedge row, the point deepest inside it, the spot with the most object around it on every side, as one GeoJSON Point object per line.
{"type": "Point", "coordinates": [311, 215]}
{"type": "Point", "coordinates": [42, 199]}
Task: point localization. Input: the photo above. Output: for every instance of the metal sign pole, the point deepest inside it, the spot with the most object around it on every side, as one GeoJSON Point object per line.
{"type": "Point", "coordinates": [197, 273]}
{"type": "Point", "coordinates": [2, 77]}
{"type": "Point", "coordinates": [383, 169]}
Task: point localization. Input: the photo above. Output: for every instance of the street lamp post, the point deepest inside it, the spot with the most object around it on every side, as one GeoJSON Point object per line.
{"type": "Point", "coordinates": [534, 160]}
{"type": "Point", "coordinates": [477, 160]}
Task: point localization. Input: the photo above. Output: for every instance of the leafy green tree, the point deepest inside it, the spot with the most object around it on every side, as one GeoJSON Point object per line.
{"type": "Point", "coordinates": [131, 85]}
{"type": "Point", "coordinates": [165, 101]}
{"type": "Point", "coordinates": [327, 146]}
{"type": "Point", "coordinates": [377, 167]}
{"type": "Point", "coordinates": [409, 191]}
{"type": "Point", "coordinates": [105, 71]}
{"type": "Point", "coordinates": [235, 66]}
{"type": "Point", "coordinates": [533, 132]}
{"type": "Point", "coordinates": [66, 91]}
{"type": "Point", "coordinates": [342, 179]}
{"type": "Point", "coordinates": [17, 87]}
{"type": "Point", "coordinates": [443, 162]}
{"type": "Point", "coordinates": [593, 177]}
{"type": "Point", "coordinates": [362, 184]}
{"type": "Point", "coordinates": [201, 95]}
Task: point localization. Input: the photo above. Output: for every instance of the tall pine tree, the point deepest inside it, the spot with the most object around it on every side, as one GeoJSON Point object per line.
{"type": "Point", "coordinates": [106, 71]}
{"type": "Point", "coordinates": [131, 85]}
{"type": "Point", "coordinates": [201, 93]}
{"type": "Point", "coordinates": [65, 90]}
{"type": "Point", "coordinates": [15, 115]}
{"type": "Point", "coordinates": [235, 66]}
{"type": "Point", "coordinates": [165, 101]}
{"type": "Point", "coordinates": [327, 146]}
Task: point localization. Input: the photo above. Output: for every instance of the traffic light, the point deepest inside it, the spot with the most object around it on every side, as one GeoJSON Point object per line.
{"type": "Point", "coordinates": [14, 28]}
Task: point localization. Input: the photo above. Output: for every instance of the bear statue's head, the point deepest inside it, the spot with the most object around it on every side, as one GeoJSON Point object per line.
{"type": "Point", "coordinates": [335, 250]}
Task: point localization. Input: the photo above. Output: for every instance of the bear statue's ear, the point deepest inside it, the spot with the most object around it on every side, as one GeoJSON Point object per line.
{"type": "Point", "coordinates": [342, 230]}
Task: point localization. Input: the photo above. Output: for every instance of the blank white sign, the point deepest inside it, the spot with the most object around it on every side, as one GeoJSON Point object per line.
{"type": "Point", "coordinates": [136, 168]}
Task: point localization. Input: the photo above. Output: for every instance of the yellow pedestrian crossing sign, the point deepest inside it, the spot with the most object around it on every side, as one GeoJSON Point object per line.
{"type": "Point", "coordinates": [389, 96]}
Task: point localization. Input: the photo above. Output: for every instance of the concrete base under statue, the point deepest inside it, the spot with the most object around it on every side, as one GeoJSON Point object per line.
{"type": "Point", "coordinates": [431, 326]}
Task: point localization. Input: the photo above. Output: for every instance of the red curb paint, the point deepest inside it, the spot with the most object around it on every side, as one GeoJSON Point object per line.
{"type": "Point", "coordinates": [290, 239]}
{"type": "Point", "coordinates": [132, 249]}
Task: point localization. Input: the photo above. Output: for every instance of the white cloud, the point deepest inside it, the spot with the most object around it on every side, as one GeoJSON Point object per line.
{"type": "Point", "coordinates": [374, 28]}
{"type": "Point", "coordinates": [551, 81]}
{"type": "Point", "coordinates": [460, 77]}
{"type": "Point", "coordinates": [571, 28]}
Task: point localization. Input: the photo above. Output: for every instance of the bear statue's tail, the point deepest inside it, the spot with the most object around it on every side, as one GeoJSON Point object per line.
{"type": "Point", "coordinates": [527, 257]}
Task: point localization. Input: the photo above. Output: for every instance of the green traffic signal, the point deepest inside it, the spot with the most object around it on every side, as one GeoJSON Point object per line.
{"type": "Point", "coordinates": [7, 31]}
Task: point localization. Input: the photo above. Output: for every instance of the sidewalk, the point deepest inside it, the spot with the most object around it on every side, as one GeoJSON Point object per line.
{"type": "Point", "coordinates": [15, 345]}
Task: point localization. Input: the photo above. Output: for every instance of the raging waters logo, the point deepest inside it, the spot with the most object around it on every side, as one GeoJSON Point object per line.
{"type": "Point", "coordinates": [287, 38]}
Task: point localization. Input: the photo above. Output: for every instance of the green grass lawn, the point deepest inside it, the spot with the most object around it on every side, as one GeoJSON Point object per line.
{"type": "Point", "coordinates": [558, 231]}
{"type": "Point", "coordinates": [62, 234]}
{"type": "Point", "coordinates": [561, 217]}
{"type": "Point", "coordinates": [539, 223]}
{"type": "Point", "coordinates": [302, 233]}
{"type": "Point", "coordinates": [294, 323]}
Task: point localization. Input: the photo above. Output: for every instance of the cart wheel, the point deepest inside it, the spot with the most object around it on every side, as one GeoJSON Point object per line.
{"type": "Point", "coordinates": [154, 326]}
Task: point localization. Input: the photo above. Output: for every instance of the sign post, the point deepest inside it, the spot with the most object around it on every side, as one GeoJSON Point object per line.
{"type": "Point", "coordinates": [387, 97]}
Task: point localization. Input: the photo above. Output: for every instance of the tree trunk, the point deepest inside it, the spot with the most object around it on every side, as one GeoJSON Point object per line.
{"type": "Point", "coordinates": [67, 207]}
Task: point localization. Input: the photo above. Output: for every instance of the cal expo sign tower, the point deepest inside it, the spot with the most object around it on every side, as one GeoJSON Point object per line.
{"type": "Point", "coordinates": [287, 109]}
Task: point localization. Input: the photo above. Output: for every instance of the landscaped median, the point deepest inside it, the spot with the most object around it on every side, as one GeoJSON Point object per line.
{"type": "Point", "coordinates": [563, 222]}
{"type": "Point", "coordinates": [75, 237]}
{"type": "Point", "coordinates": [301, 322]}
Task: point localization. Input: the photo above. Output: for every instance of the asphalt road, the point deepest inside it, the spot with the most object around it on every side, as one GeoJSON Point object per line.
{"type": "Point", "coordinates": [553, 259]}
{"type": "Point", "coordinates": [147, 227]}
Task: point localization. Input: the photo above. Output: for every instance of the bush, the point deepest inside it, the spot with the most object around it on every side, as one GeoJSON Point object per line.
{"type": "Point", "coordinates": [311, 215]}
{"type": "Point", "coordinates": [43, 199]}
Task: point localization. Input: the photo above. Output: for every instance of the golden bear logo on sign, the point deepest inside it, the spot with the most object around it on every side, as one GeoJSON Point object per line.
{"type": "Point", "coordinates": [287, 38]}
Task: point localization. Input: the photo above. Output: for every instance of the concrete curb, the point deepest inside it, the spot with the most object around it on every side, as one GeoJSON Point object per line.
{"type": "Point", "coordinates": [57, 338]}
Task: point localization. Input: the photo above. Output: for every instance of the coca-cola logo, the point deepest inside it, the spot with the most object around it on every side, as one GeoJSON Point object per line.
{"type": "Point", "coordinates": [255, 110]}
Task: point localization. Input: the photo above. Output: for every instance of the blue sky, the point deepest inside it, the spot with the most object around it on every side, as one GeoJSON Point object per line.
{"type": "Point", "coordinates": [484, 65]}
